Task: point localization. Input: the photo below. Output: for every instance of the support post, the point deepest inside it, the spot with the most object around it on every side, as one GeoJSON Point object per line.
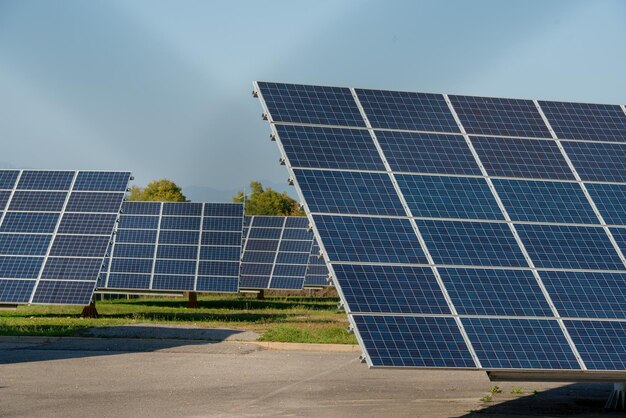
{"type": "Point", "coordinates": [260, 295]}
{"type": "Point", "coordinates": [90, 311]}
{"type": "Point", "coordinates": [192, 300]}
{"type": "Point", "coordinates": [616, 399]}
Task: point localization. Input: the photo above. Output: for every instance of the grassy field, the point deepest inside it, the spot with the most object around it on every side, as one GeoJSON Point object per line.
{"type": "Point", "coordinates": [285, 319]}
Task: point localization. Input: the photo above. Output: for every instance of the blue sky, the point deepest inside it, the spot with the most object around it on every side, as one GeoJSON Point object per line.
{"type": "Point", "coordinates": [163, 87]}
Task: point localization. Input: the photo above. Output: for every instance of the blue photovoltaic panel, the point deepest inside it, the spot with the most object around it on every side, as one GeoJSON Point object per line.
{"type": "Point", "coordinates": [376, 240]}
{"type": "Point", "coordinates": [471, 243]}
{"type": "Point", "coordinates": [50, 249]}
{"type": "Point", "coordinates": [596, 161]}
{"type": "Point", "coordinates": [311, 104]}
{"type": "Point", "coordinates": [601, 344]}
{"type": "Point", "coordinates": [586, 121]}
{"type": "Point", "coordinates": [427, 153]}
{"type": "Point", "coordinates": [468, 282]}
{"type": "Point", "coordinates": [569, 247]}
{"type": "Point", "coordinates": [495, 292]}
{"type": "Point", "coordinates": [176, 247]}
{"type": "Point", "coordinates": [495, 116]}
{"type": "Point", "coordinates": [449, 197]}
{"type": "Point", "coordinates": [579, 294]}
{"type": "Point", "coordinates": [407, 111]}
{"type": "Point", "coordinates": [407, 341]}
{"type": "Point", "coordinates": [349, 192]}
{"type": "Point", "coordinates": [519, 343]}
{"type": "Point", "coordinates": [275, 253]}
{"type": "Point", "coordinates": [398, 289]}
{"type": "Point", "coordinates": [610, 199]}
{"type": "Point", "coordinates": [523, 158]}
{"type": "Point", "coordinates": [333, 148]}
{"type": "Point", "coordinates": [545, 201]}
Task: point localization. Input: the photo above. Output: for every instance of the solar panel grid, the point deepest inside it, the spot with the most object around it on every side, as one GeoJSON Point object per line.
{"type": "Point", "coordinates": [275, 253]}
{"type": "Point", "coordinates": [54, 232]}
{"type": "Point", "coordinates": [176, 247]}
{"type": "Point", "coordinates": [586, 121]}
{"type": "Point", "coordinates": [534, 183]}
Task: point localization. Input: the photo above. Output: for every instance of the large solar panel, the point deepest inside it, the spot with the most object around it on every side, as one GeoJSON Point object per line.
{"type": "Point", "coordinates": [186, 246]}
{"type": "Point", "coordinates": [465, 232]}
{"type": "Point", "coordinates": [276, 252]}
{"type": "Point", "coordinates": [55, 227]}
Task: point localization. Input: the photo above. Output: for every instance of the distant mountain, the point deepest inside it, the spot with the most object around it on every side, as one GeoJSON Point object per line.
{"type": "Point", "coordinates": [6, 166]}
{"type": "Point", "coordinates": [210, 194]}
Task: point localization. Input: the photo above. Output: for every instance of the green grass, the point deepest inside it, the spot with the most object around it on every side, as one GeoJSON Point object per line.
{"type": "Point", "coordinates": [285, 319]}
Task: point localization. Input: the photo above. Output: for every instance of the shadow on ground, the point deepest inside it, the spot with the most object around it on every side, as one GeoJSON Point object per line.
{"type": "Point", "coordinates": [244, 303]}
{"type": "Point", "coordinates": [122, 340]}
{"type": "Point", "coordinates": [577, 399]}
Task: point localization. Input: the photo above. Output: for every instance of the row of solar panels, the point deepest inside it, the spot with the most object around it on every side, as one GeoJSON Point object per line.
{"type": "Point", "coordinates": [208, 247]}
{"type": "Point", "coordinates": [56, 229]}
{"type": "Point", "coordinates": [465, 231]}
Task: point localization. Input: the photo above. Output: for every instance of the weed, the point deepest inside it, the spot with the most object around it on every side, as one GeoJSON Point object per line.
{"type": "Point", "coordinates": [487, 398]}
{"type": "Point", "coordinates": [517, 390]}
{"type": "Point", "coordinates": [495, 389]}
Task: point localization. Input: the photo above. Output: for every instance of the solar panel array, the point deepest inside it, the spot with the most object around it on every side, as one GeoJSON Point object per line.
{"type": "Point", "coordinates": [276, 252]}
{"type": "Point", "coordinates": [55, 227]}
{"type": "Point", "coordinates": [176, 247]}
{"type": "Point", "coordinates": [465, 231]}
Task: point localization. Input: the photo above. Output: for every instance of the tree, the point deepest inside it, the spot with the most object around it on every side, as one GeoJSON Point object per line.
{"type": "Point", "coordinates": [163, 190]}
{"type": "Point", "coordinates": [267, 201]}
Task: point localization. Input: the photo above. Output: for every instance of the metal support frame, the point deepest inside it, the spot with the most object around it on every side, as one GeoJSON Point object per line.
{"type": "Point", "coordinates": [616, 401]}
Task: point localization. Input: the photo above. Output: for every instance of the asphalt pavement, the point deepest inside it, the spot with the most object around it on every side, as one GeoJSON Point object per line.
{"type": "Point", "coordinates": [118, 377]}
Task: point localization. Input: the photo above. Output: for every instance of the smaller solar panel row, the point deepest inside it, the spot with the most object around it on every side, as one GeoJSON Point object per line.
{"type": "Point", "coordinates": [176, 247]}
{"type": "Point", "coordinates": [276, 252]}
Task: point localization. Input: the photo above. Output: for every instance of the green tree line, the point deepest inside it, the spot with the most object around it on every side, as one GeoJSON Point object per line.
{"type": "Point", "coordinates": [258, 201]}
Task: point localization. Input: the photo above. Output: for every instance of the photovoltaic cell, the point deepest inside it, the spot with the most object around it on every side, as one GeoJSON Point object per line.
{"type": "Point", "coordinates": [449, 197]}
{"type": "Point", "coordinates": [545, 201]}
{"type": "Point", "coordinates": [415, 302]}
{"type": "Point", "coordinates": [519, 344]}
{"type": "Point", "coordinates": [175, 246]}
{"type": "Point", "coordinates": [398, 289]}
{"type": "Point", "coordinates": [523, 158]}
{"type": "Point", "coordinates": [471, 243]}
{"type": "Point", "coordinates": [569, 247]}
{"type": "Point", "coordinates": [597, 161]}
{"type": "Point", "coordinates": [349, 192]}
{"type": "Point", "coordinates": [376, 240]}
{"type": "Point", "coordinates": [500, 117]}
{"type": "Point", "coordinates": [578, 294]}
{"type": "Point", "coordinates": [333, 148]}
{"type": "Point", "coordinates": [495, 292]}
{"type": "Point", "coordinates": [311, 104]}
{"type": "Point", "coordinates": [427, 153]}
{"type": "Point", "coordinates": [406, 341]}
{"type": "Point", "coordinates": [586, 121]}
{"type": "Point", "coordinates": [610, 199]}
{"type": "Point", "coordinates": [407, 111]}
{"type": "Point", "coordinates": [602, 345]}
{"type": "Point", "coordinates": [50, 249]}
